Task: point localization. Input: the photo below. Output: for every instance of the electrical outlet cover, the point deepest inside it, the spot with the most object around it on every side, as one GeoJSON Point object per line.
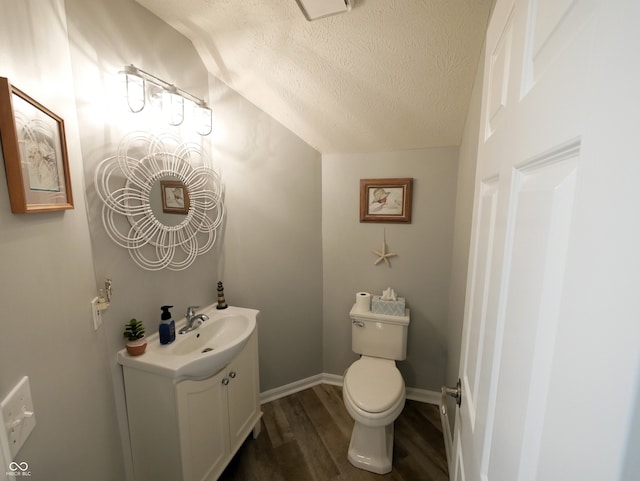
{"type": "Point", "coordinates": [95, 312]}
{"type": "Point", "coordinates": [18, 418]}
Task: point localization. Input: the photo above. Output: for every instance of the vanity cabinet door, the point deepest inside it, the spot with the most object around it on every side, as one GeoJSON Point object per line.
{"type": "Point", "coordinates": [243, 393]}
{"type": "Point", "coordinates": [202, 413]}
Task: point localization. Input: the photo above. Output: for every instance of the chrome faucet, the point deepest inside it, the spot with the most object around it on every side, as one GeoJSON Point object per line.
{"type": "Point", "coordinates": [193, 320]}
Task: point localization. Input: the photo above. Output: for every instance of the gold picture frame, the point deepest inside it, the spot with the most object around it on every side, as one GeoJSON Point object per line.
{"type": "Point", "coordinates": [386, 200]}
{"type": "Point", "coordinates": [175, 197]}
{"type": "Point", "coordinates": [35, 153]}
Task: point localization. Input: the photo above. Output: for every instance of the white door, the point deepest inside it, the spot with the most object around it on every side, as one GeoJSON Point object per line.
{"type": "Point", "coordinates": [551, 340]}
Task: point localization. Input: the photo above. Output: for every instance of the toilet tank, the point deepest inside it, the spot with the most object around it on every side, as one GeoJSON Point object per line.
{"type": "Point", "coordinates": [379, 335]}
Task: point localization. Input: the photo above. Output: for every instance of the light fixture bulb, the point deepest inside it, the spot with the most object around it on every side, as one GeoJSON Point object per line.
{"type": "Point", "coordinates": [134, 88]}
{"type": "Point", "coordinates": [204, 118]}
{"type": "Point", "coordinates": [173, 106]}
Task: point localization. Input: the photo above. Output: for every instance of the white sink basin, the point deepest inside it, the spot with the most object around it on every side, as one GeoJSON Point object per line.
{"type": "Point", "coordinates": [200, 353]}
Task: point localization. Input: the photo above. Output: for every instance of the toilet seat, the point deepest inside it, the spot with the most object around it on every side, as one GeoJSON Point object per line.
{"type": "Point", "coordinates": [374, 385]}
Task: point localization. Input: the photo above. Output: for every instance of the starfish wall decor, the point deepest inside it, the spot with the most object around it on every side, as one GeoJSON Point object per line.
{"type": "Point", "coordinates": [382, 254]}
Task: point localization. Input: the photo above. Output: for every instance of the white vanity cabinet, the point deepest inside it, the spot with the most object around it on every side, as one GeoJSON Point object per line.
{"type": "Point", "coordinates": [190, 430]}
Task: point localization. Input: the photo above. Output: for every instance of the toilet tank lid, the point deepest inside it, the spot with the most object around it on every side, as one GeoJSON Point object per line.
{"type": "Point", "coordinates": [372, 316]}
{"type": "Point", "coordinates": [374, 385]}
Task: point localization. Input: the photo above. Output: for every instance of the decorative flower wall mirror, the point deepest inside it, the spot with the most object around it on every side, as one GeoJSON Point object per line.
{"type": "Point", "coordinates": [162, 200]}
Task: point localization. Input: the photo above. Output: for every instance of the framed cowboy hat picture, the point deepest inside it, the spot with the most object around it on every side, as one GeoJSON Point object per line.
{"type": "Point", "coordinates": [386, 200]}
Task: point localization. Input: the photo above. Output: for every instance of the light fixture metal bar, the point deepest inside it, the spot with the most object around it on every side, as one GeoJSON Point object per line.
{"type": "Point", "coordinates": [157, 81]}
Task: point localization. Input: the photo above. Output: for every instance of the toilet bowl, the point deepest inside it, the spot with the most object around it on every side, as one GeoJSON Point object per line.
{"type": "Point", "coordinates": [374, 395]}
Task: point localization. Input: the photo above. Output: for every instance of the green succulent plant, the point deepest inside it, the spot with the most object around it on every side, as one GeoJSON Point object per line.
{"type": "Point", "coordinates": [134, 329]}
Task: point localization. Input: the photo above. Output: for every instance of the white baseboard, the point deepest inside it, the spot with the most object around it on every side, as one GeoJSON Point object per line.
{"type": "Point", "coordinates": [415, 394]}
{"type": "Point", "coordinates": [296, 386]}
{"type": "Point", "coordinates": [423, 395]}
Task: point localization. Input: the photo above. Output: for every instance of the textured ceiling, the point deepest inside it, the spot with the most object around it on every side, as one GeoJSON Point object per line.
{"type": "Point", "coordinates": [388, 75]}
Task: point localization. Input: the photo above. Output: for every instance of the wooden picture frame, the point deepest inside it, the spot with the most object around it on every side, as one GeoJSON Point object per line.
{"type": "Point", "coordinates": [175, 197]}
{"type": "Point", "coordinates": [386, 200]}
{"type": "Point", "coordinates": [35, 153]}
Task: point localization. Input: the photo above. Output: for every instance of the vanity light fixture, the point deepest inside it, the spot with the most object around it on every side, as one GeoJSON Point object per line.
{"type": "Point", "coordinates": [173, 99]}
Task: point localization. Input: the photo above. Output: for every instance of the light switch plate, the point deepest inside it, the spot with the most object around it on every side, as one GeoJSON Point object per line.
{"type": "Point", "coordinates": [18, 418]}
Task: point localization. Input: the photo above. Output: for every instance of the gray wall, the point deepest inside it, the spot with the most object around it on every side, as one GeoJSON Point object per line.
{"type": "Point", "coordinates": [47, 278]}
{"type": "Point", "coordinates": [271, 238]}
{"type": "Point", "coordinates": [420, 272]}
{"type": "Point", "coordinates": [272, 245]}
{"type": "Point", "coordinates": [268, 252]}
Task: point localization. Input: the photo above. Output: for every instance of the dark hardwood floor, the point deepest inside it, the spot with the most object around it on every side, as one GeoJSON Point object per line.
{"type": "Point", "coordinates": [305, 437]}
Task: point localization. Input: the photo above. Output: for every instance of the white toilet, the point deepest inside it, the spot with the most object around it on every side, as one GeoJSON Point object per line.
{"type": "Point", "coordinates": [373, 389]}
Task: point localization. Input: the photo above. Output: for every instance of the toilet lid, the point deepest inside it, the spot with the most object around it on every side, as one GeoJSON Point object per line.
{"type": "Point", "coordinates": [373, 384]}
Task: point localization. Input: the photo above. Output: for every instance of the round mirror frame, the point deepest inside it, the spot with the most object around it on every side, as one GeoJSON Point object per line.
{"type": "Point", "coordinates": [124, 182]}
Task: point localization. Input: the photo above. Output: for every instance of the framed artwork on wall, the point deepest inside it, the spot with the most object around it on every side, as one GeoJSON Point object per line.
{"type": "Point", "coordinates": [34, 149]}
{"type": "Point", "coordinates": [386, 200]}
{"type": "Point", "coordinates": [175, 197]}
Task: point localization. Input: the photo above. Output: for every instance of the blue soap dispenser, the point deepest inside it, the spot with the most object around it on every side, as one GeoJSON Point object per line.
{"type": "Point", "coordinates": [167, 329]}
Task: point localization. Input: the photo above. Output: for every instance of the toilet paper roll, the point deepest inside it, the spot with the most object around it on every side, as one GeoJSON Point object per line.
{"type": "Point", "coordinates": [363, 302]}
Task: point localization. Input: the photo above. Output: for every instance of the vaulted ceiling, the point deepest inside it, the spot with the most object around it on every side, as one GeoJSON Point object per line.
{"type": "Point", "coordinates": [388, 75]}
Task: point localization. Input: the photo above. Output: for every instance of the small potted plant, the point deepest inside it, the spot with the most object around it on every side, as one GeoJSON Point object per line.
{"type": "Point", "coordinates": [136, 342]}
